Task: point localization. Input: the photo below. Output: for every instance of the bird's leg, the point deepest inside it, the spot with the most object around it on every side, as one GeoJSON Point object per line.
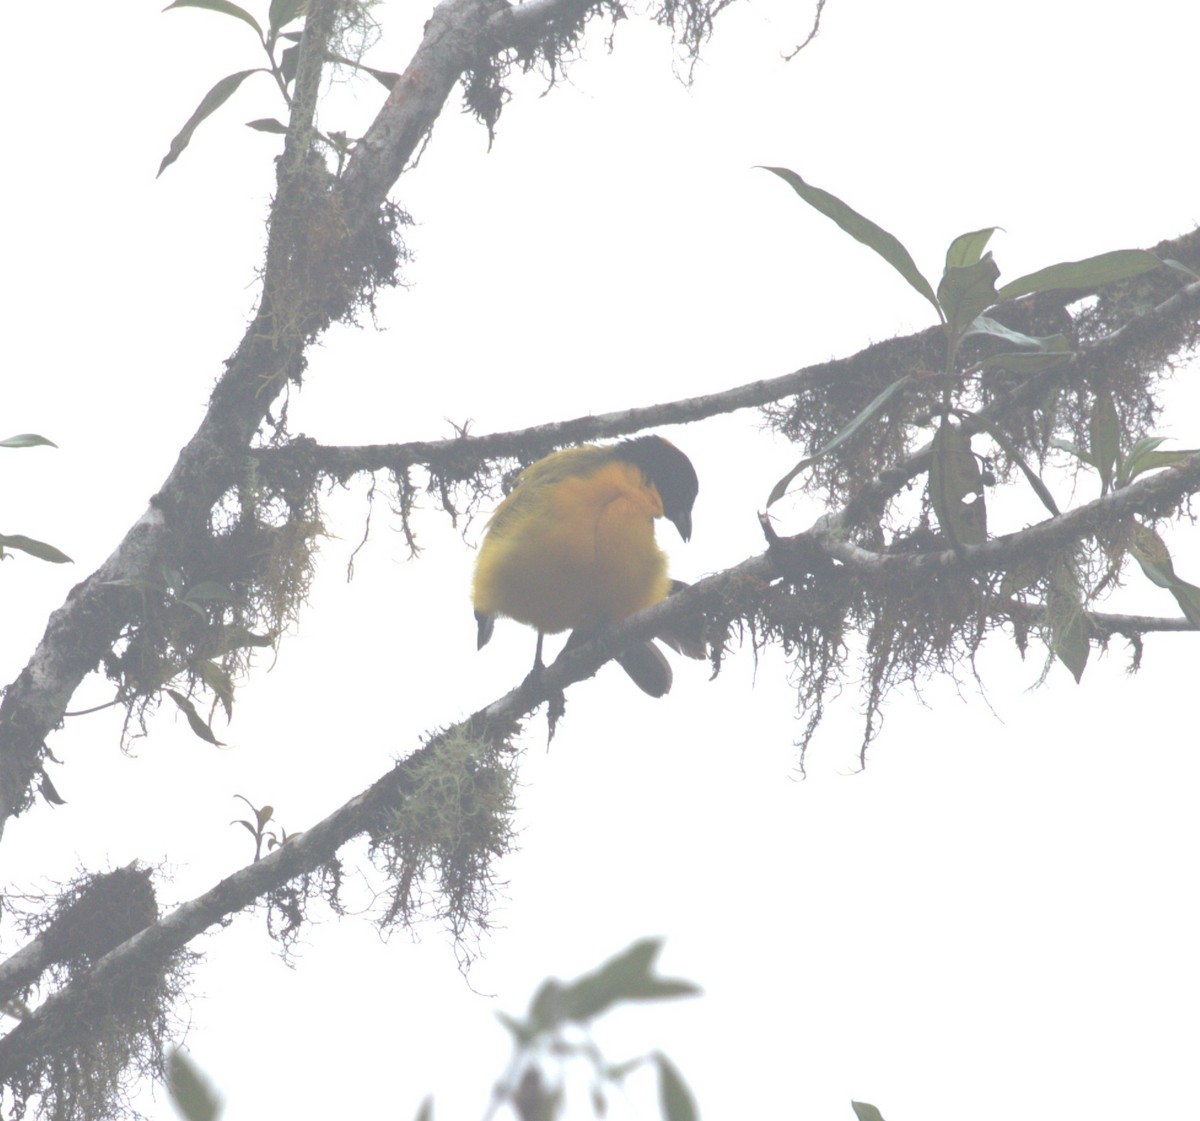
{"type": "Point", "coordinates": [539, 667]}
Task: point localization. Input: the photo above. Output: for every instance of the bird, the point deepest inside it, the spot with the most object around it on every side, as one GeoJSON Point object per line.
{"type": "Point", "coordinates": [572, 547]}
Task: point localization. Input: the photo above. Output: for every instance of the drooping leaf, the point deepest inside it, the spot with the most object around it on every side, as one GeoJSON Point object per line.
{"type": "Point", "coordinates": [209, 104]}
{"type": "Point", "coordinates": [47, 791]}
{"type": "Point", "coordinates": [189, 1089]}
{"type": "Point", "coordinates": [219, 682]}
{"type": "Point", "coordinates": [282, 12]}
{"type": "Point", "coordinates": [780, 488]}
{"type": "Point", "coordinates": [966, 249]}
{"type": "Point", "coordinates": [247, 826]}
{"type": "Point", "coordinates": [27, 440]}
{"type": "Point", "coordinates": [1014, 454]}
{"type": "Point", "coordinates": [1151, 553]}
{"type": "Point", "coordinates": [954, 476]}
{"type": "Point", "coordinates": [194, 719]}
{"type": "Point", "coordinates": [965, 291]}
{"type": "Point", "coordinates": [1073, 449]}
{"type": "Point", "coordinates": [288, 61]}
{"type": "Point", "coordinates": [1024, 574]}
{"type": "Point", "coordinates": [861, 229]}
{"type": "Point", "coordinates": [1104, 433]}
{"type": "Point", "coordinates": [268, 124]}
{"type": "Point", "coordinates": [1091, 272]}
{"type": "Point", "coordinates": [1068, 623]}
{"type": "Point", "coordinates": [33, 547]}
{"type": "Point", "coordinates": [865, 1112]}
{"type": "Point", "coordinates": [223, 6]}
{"type": "Point", "coordinates": [673, 1094]}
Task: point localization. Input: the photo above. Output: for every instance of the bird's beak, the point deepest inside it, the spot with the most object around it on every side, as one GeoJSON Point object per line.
{"type": "Point", "coordinates": [683, 522]}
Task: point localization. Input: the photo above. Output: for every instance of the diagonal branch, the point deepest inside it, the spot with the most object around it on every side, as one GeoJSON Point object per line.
{"type": "Point", "coordinates": [494, 725]}
{"type": "Point", "coordinates": [461, 33]}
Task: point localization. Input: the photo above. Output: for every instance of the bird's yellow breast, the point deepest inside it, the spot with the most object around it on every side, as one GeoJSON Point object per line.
{"type": "Point", "coordinates": [570, 550]}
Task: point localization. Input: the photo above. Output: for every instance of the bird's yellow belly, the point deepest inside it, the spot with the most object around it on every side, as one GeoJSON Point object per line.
{"type": "Point", "coordinates": [588, 557]}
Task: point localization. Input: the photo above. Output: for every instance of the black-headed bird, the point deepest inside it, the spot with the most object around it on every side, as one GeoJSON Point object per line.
{"type": "Point", "coordinates": [572, 547]}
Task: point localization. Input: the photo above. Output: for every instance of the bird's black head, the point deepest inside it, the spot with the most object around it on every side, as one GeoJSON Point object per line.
{"type": "Point", "coordinates": [672, 474]}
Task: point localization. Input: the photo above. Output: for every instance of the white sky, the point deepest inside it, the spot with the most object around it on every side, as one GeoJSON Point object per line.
{"type": "Point", "coordinates": [996, 918]}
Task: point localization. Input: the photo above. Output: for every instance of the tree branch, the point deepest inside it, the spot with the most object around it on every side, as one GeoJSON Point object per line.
{"type": "Point", "coordinates": [1151, 495]}
{"type": "Point", "coordinates": [270, 354]}
{"type": "Point", "coordinates": [495, 724]}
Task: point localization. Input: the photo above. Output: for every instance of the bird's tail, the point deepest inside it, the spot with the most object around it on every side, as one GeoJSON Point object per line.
{"type": "Point", "coordinates": [649, 668]}
{"type": "Point", "coordinates": [645, 663]}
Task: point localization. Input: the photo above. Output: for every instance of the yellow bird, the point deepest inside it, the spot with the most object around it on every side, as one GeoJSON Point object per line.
{"type": "Point", "coordinates": [572, 547]}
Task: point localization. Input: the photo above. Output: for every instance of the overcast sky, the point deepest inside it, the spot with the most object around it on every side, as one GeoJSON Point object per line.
{"type": "Point", "coordinates": [995, 919]}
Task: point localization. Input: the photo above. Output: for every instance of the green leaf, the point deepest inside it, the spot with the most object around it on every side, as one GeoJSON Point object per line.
{"type": "Point", "coordinates": [865, 1112]}
{"type": "Point", "coordinates": [209, 590]}
{"type": "Point", "coordinates": [983, 325]}
{"type": "Point", "coordinates": [194, 719]}
{"type": "Point", "coordinates": [1144, 457]}
{"type": "Point", "coordinates": [1150, 551]}
{"type": "Point", "coordinates": [1104, 433]}
{"type": "Point", "coordinates": [288, 61]}
{"type": "Point", "coordinates": [1024, 574]}
{"type": "Point", "coordinates": [211, 102]}
{"type": "Point", "coordinates": [522, 1032]}
{"type": "Point", "coordinates": [1014, 454]}
{"type": "Point", "coordinates": [283, 12]}
{"type": "Point", "coordinates": [223, 6]}
{"type": "Point", "coordinates": [954, 476]}
{"type": "Point", "coordinates": [780, 488]}
{"type": "Point", "coordinates": [268, 124]}
{"type": "Point", "coordinates": [1068, 624]}
{"type": "Point", "coordinates": [189, 1089]}
{"type": "Point", "coordinates": [1091, 272]}
{"type": "Point", "coordinates": [861, 229]}
{"type": "Point", "coordinates": [1179, 266]}
{"type": "Point", "coordinates": [964, 292]}
{"type": "Point", "coordinates": [219, 682]}
{"type": "Point", "coordinates": [618, 1072]}
{"type": "Point", "coordinates": [34, 548]}
{"type": "Point", "coordinates": [626, 977]}
{"type": "Point", "coordinates": [1024, 363]}
{"type": "Point", "coordinates": [27, 440]}
{"type": "Point", "coordinates": [237, 638]}
{"type": "Point", "coordinates": [673, 1094]}
{"type": "Point", "coordinates": [1073, 449]}
{"type": "Point", "coordinates": [546, 1008]}
{"type": "Point", "coordinates": [966, 249]}
{"type": "Point", "coordinates": [386, 78]}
